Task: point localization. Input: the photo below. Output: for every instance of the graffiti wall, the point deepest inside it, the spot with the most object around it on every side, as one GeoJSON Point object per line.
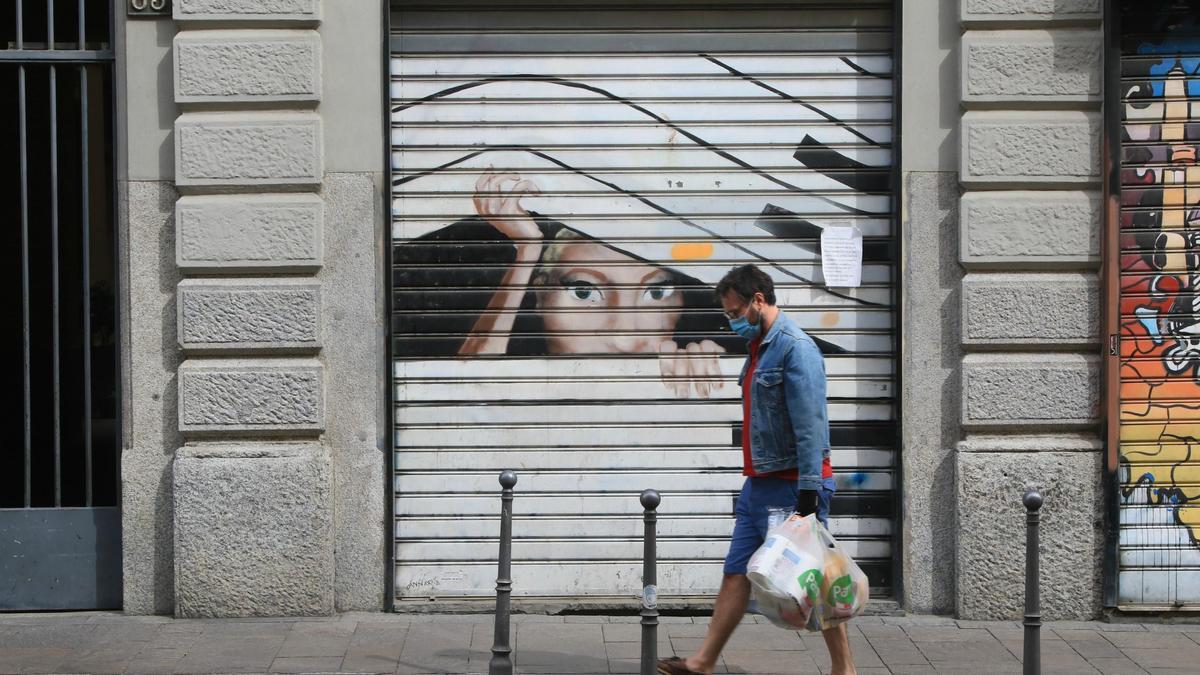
{"type": "Point", "coordinates": [559, 223]}
{"type": "Point", "coordinates": [1160, 323]}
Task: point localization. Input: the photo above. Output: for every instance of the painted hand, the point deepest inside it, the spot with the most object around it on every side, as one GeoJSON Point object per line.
{"type": "Point", "coordinates": [498, 201]}
{"type": "Point", "coordinates": [694, 370]}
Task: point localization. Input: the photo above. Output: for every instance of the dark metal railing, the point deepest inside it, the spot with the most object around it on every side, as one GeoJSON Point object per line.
{"type": "Point", "coordinates": [65, 216]}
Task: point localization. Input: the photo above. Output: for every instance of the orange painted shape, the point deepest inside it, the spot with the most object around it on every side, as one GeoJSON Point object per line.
{"type": "Point", "coordinates": [697, 251]}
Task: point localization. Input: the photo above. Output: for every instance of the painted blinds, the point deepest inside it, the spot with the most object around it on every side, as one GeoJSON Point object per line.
{"type": "Point", "coordinates": [568, 187]}
{"type": "Point", "coordinates": [1159, 451]}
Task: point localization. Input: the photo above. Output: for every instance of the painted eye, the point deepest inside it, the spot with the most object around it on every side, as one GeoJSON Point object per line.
{"type": "Point", "coordinates": [658, 292]}
{"type": "Point", "coordinates": [583, 291]}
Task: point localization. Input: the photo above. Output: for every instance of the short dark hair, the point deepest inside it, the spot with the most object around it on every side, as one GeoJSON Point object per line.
{"type": "Point", "coordinates": [745, 281]}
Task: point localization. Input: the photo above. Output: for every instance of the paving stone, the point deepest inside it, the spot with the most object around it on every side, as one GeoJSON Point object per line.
{"type": "Point", "coordinates": [766, 661]}
{"type": "Point", "coordinates": [1163, 657]}
{"type": "Point", "coordinates": [625, 666]}
{"type": "Point", "coordinates": [231, 655]}
{"type": "Point", "coordinates": [317, 640]}
{"type": "Point", "coordinates": [748, 638]}
{"type": "Point", "coordinates": [155, 661]}
{"type": "Point", "coordinates": [992, 668]}
{"type": "Point", "coordinates": [565, 664]}
{"type": "Point", "coordinates": [1120, 665]}
{"type": "Point", "coordinates": [936, 634]}
{"type": "Point", "coordinates": [627, 619]}
{"type": "Point", "coordinates": [306, 664]}
{"type": "Point", "coordinates": [588, 619]}
{"type": "Point", "coordinates": [966, 652]}
{"type": "Point", "coordinates": [436, 647]}
{"type": "Point", "coordinates": [1117, 667]}
{"type": "Point", "coordinates": [384, 643]}
{"type": "Point", "coordinates": [109, 658]}
{"type": "Point", "coordinates": [898, 652]}
{"type": "Point", "coordinates": [455, 618]}
{"type": "Point", "coordinates": [33, 659]}
{"type": "Point", "coordinates": [1120, 627]}
{"type": "Point", "coordinates": [375, 647]}
{"type": "Point", "coordinates": [989, 625]}
{"type": "Point", "coordinates": [694, 629]}
{"type": "Point", "coordinates": [549, 645]}
{"type": "Point", "coordinates": [516, 619]}
{"type": "Point", "coordinates": [686, 645]}
{"type": "Point", "coordinates": [883, 631]}
{"type": "Point", "coordinates": [245, 629]}
{"type": "Point", "coordinates": [919, 620]}
{"type": "Point", "coordinates": [1149, 640]}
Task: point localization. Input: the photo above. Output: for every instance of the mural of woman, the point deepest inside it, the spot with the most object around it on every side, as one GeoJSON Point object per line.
{"type": "Point", "coordinates": [551, 290]}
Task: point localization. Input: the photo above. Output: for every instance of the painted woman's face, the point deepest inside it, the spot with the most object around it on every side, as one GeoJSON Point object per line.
{"type": "Point", "coordinates": [599, 301]}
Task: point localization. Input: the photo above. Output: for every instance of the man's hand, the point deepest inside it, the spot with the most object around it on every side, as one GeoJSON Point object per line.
{"type": "Point", "coordinates": [806, 502]}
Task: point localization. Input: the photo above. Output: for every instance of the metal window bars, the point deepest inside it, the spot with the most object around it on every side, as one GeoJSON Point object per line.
{"type": "Point", "coordinates": [67, 215]}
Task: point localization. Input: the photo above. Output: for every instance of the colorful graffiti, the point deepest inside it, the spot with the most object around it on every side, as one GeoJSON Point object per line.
{"type": "Point", "coordinates": [1160, 322]}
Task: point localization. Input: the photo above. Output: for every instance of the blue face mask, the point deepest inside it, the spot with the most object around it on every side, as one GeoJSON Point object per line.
{"type": "Point", "coordinates": [743, 327]}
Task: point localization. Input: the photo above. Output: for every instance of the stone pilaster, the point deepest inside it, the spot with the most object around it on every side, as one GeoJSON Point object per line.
{"type": "Point", "coordinates": [1030, 77]}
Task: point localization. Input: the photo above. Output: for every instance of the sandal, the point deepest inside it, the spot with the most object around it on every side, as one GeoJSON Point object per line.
{"type": "Point", "coordinates": [675, 666]}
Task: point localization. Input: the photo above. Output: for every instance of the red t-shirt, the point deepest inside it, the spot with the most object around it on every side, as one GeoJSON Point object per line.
{"type": "Point", "coordinates": [747, 389]}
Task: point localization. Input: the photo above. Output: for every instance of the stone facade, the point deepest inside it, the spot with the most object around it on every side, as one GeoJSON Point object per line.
{"type": "Point", "coordinates": [256, 153]}
{"type": "Point", "coordinates": [1029, 162]}
{"type": "Point", "coordinates": [253, 212]}
{"type": "Point", "coordinates": [256, 309]}
{"type": "Point", "coordinates": [280, 233]}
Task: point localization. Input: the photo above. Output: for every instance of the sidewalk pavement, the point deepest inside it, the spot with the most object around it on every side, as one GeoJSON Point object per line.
{"type": "Point", "coordinates": [97, 642]}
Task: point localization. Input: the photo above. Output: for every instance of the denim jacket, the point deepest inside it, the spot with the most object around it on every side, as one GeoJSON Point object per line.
{"type": "Point", "coordinates": [789, 419]}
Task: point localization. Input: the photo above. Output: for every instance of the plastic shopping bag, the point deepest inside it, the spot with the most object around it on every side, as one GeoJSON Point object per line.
{"type": "Point", "coordinates": [803, 578]}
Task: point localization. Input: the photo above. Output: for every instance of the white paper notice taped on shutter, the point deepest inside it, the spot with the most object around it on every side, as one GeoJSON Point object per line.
{"type": "Point", "coordinates": [841, 256]}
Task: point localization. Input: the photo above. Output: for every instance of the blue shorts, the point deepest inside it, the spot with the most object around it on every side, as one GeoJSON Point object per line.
{"type": "Point", "coordinates": [750, 515]}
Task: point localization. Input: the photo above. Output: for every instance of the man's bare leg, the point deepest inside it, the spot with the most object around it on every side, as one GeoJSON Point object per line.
{"type": "Point", "coordinates": [837, 640]}
{"type": "Point", "coordinates": [728, 611]}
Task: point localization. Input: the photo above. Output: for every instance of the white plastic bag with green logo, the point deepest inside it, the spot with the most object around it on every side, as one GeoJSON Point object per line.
{"type": "Point", "coordinates": [803, 578]}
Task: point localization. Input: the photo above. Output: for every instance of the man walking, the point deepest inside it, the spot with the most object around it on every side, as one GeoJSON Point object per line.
{"type": "Point", "coordinates": [785, 453]}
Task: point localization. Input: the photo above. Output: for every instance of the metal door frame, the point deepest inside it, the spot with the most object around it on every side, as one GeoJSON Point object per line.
{"type": "Point", "coordinates": [88, 520]}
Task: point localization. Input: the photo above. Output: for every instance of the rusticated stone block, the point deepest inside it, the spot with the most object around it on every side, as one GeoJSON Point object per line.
{"type": "Point", "coordinates": [247, 65]}
{"type": "Point", "coordinates": [249, 232]}
{"type": "Point", "coordinates": [301, 11]}
{"type": "Point", "coordinates": [1014, 229]}
{"type": "Point", "coordinates": [1062, 66]}
{"type": "Point", "coordinates": [248, 150]}
{"type": "Point", "coordinates": [277, 395]}
{"type": "Point", "coordinates": [1003, 391]}
{"type": "Point", "coordinates": [976, 12]}
{"type": "Point", "coordinates": [1031, 309]}
{"type": "Point", "coordinates": [1012, 149]}
{"type": "Point", "coordinates": [993, 474]}
{"type": "Point", "coordinates": [253, 530]}
{"type": "Point", "coordinates": [232, 314]}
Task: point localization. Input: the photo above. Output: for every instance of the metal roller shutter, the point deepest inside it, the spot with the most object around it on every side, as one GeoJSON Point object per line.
{"type": "Point", "coordinates": [565, 326]}
{"type": "Point", "coordinates": [1159, 344]}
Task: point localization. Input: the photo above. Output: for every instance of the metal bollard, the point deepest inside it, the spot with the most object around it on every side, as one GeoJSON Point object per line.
{"type": "Point", "coordinates": [1033, 610]}
{"type": "Point", "coordinates": [650, 501]}
{"type": "Point", "coordinates": [501, 663]}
